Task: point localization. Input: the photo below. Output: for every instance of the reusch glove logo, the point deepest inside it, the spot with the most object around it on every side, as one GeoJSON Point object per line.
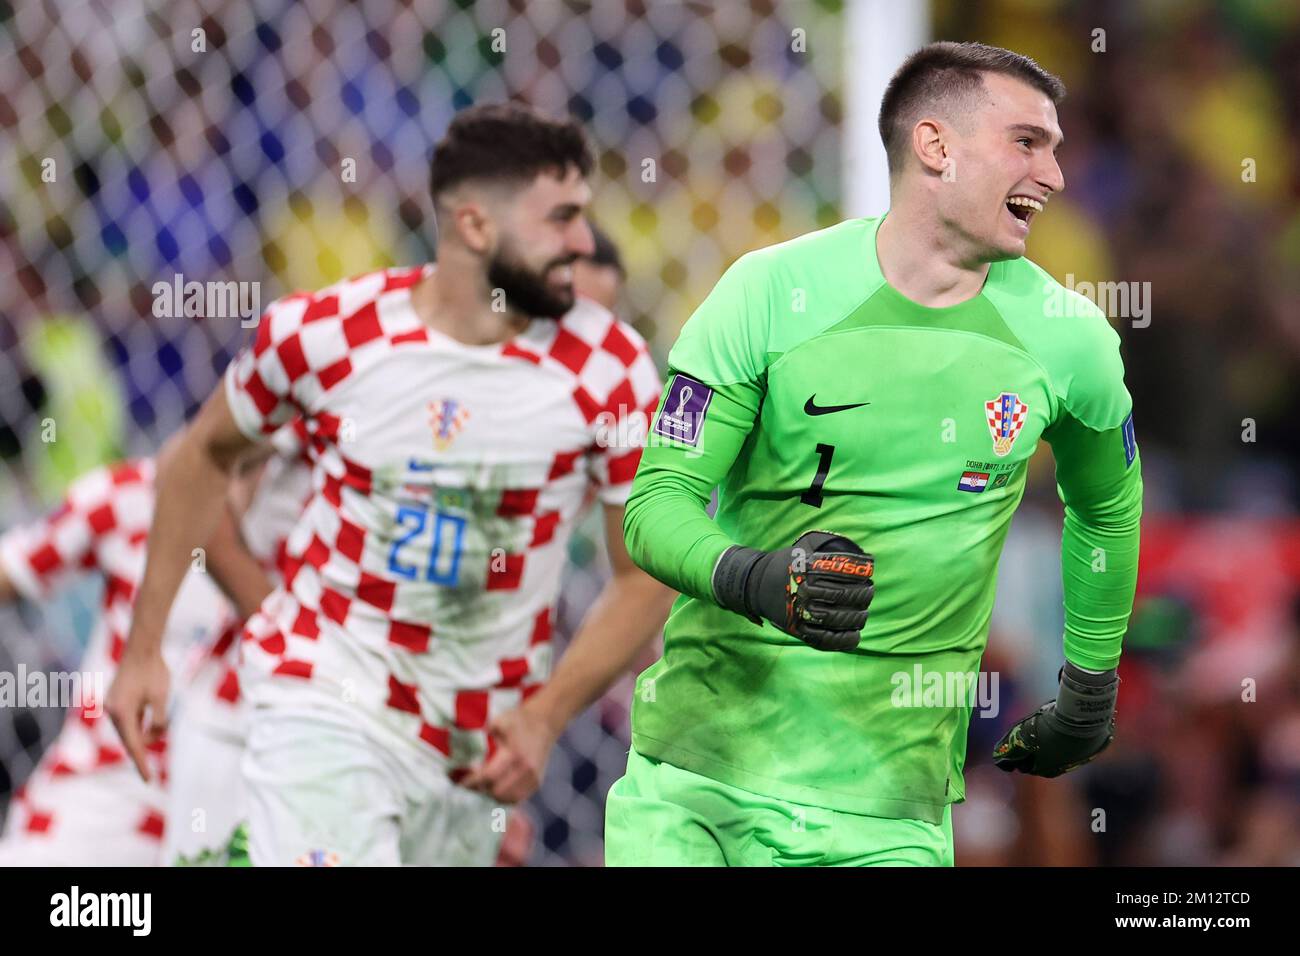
{"type": "Point", "coordinates": [845, 564]}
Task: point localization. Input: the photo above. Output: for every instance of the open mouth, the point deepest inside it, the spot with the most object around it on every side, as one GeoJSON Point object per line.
{"type": "Point", "coordinates": [1023, 209]}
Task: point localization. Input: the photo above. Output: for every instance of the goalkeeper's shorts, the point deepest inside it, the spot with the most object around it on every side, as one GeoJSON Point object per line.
{"type": "Point", "coordinates": [661, 815]}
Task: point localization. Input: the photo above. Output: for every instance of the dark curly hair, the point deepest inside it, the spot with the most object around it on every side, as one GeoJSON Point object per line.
{"type": "Point", "coordinates": [506, 142]}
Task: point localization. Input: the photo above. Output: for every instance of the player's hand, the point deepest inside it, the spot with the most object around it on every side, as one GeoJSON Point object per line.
{"type": "Point", "coordinates": [523, 739]}
{"type": "Point", "coordinates": [818, 590]}
{"type": "Point", "coordinates": [1064, 733]}
{"type": "Point", "coordinates": [517, 841]}
{"type": "Point", "coordinates": [137, 703]}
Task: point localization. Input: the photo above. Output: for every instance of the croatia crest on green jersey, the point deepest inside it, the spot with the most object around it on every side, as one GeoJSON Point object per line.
{"type": "Point", "coordinates": [1006, 415]}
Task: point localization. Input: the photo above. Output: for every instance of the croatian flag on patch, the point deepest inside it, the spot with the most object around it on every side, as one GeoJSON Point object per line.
{"type": "Point", "coordinates": [682, 416]}
{"type": "Point", "coordinates": [973, 481]}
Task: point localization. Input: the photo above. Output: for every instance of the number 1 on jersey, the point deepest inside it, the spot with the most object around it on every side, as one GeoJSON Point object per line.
{"type": "Point", "coordinates": [813, 496]}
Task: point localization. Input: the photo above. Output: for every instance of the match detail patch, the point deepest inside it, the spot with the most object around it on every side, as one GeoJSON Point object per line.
{"type": "Point", "coordinates": [682, 417]}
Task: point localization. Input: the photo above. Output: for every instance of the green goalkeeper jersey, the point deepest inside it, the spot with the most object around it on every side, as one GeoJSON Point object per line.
{"type": "Point", "coordinates": [812, 395]}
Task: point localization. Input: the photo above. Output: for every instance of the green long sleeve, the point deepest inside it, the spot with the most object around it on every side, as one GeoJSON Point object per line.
{"type": "Point", "coordinates": [666, 525]}
{"type": "Point", "coordinates": [1101, 486]}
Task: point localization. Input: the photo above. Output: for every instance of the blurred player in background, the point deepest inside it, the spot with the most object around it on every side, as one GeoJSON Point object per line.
{"type": "Point", "coordinates": [85, 805]}
{"type": "Point", "coordinates": [600, 275]}
{"type": "Point", "coordinates": [206, 804]}
{"type": "Point", "coordinates": [458, 414]}
{"type": "Point", "coordinates": [887, 380]}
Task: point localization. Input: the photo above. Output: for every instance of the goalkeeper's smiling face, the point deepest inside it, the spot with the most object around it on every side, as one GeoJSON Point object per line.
{"type": "Point", "coordinates": [1005, 169]}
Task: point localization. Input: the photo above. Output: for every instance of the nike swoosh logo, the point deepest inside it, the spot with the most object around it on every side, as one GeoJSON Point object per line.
{"type": "Point", "coordinates": [810, 407]}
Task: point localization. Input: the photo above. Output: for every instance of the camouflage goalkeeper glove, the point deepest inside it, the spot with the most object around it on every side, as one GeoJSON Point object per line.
{"type": "Point", "coordinates": [1064, 733]}
{"type": "Point", "coordinates": [817, 591]}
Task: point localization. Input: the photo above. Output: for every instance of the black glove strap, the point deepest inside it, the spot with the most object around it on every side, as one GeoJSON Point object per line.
{"type": "Point", "coordinates": [1085, 702]}
{"type": "Point", "coordinates": [730, 577]}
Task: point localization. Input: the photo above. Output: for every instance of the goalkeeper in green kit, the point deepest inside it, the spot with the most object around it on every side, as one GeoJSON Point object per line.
{"type": "Point", "coordinates": [866, 399]}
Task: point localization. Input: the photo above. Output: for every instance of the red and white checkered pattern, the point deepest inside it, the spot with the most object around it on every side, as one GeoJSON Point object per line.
{"type": "Point", "coordinates": [1004, 429]}
{"type": "Point", "coordinates": [101, 527]}
{"type": "Point", "coordinates": [421, 579]}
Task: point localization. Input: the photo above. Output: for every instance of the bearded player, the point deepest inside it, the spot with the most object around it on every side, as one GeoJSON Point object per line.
{"type": "Point", "coordinates": [866, 398]}
{"type": "Point", "coordinates": [460, 413]}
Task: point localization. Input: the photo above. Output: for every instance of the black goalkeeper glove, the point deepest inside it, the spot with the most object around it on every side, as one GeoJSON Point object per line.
{"type": "Point", "coordinates": [1064, 733]}
{"type": "Point", "coordinates": [817, 591]}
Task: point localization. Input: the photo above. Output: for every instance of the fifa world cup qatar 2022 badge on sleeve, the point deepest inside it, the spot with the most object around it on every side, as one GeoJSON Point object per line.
{"type": "Point", "coordinates": [1006, 416]}
{"type": "Point", "coordinates": [682, 416]}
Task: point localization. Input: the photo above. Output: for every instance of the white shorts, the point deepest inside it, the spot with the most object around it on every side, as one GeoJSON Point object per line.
{"type": "Point", "coordinates": [320, 792]}
{"type": "Point", "coordinates": [205, 799]}
{"type": "Point", "coordinates": [106, 817]}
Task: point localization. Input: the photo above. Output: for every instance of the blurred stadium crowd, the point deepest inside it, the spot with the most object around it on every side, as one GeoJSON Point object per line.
{"type": "Point", "coordinates": [1181, 173]}
{"type": "Point", "coordinates": [140, 149]}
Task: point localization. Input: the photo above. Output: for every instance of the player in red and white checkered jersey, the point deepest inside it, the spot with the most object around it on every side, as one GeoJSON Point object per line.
{"type": "Point", "coordinates": [460, 417]}
{"type": "Point", "coordinates": [84, 804]}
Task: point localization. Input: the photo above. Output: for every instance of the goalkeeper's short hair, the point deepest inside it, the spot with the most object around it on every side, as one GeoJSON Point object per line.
{"type": "Point", "coordinates": [948, 76]}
